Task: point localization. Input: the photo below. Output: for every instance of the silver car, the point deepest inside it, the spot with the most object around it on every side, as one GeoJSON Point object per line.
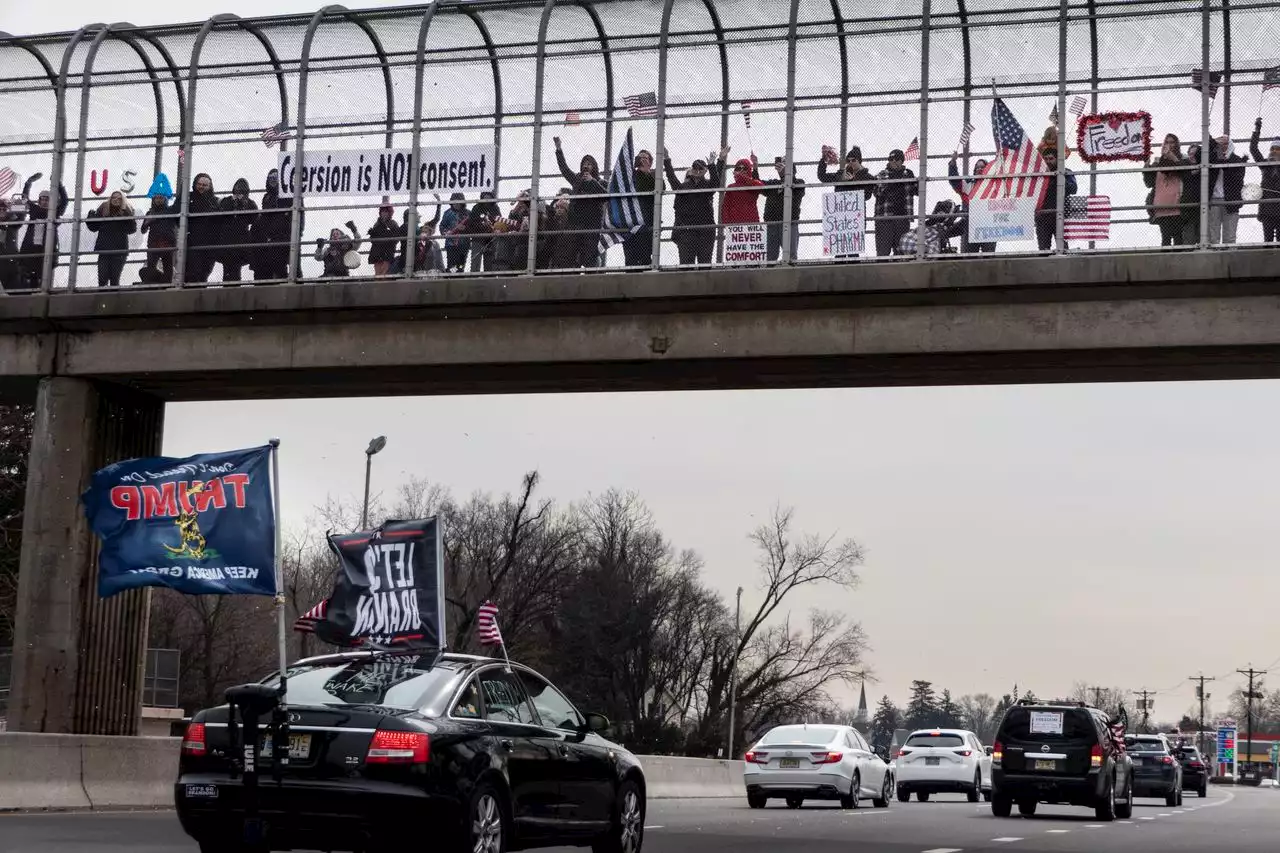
{"type": "Point", "coordinates": [816, 762]}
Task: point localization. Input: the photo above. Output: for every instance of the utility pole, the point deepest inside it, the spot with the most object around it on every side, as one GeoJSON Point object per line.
{"type": "Point", "coordinates": [1249, 697]}
{"type": "Point", "coordinates": [1144, 705]}
{"type": "Point", "coordinates": [1097, 696]}
{"type": "Point", "coordinates": [733, 674]}
{"type": "Point", "coordinates": [1203, 697]}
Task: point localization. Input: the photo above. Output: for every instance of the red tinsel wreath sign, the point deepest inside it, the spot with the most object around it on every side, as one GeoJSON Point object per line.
{"type": "Point", "coordinates": [1107, 137]}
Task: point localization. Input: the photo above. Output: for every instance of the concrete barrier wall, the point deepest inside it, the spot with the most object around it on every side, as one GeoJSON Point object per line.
{"type": "Point", "coordinates": [95, 772]}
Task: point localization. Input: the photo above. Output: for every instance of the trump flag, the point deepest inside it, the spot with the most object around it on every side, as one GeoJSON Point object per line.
{"type": "Point", "coordinates": [202, 525]}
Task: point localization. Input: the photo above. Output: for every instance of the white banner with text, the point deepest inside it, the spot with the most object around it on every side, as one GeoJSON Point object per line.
{"type": "Point", "coordinates": [386, 171]}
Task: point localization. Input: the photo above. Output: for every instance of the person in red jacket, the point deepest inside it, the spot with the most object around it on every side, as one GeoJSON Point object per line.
{"type": "Point", "coordinates": [742, 201]}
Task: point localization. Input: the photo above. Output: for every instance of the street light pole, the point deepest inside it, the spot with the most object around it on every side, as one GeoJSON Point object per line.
{"type": "Point", "coordinates": [374, 447]}
{"type": "Point", "coordinates": [733, 674]}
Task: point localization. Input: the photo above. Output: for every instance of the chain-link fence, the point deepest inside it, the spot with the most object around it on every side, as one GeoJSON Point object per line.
{"type": "Point", "coordinates": [527, 137]}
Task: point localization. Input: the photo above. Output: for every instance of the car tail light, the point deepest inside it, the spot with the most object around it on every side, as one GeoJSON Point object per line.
{"type": "Point", "coordinates": [756, 757]}
{"type": "Point", "coordinates": [997, 752]}
{"type": "Point", "coordinates": [827, 757]}
{"type": "Point", "coordinates": [1166, 759]}
{"type": "Point", "coordinates": [193, 742]}
{"type": "Point", "coordinates": [1199, 765]}
{"type": "Point", "coordinates": [1095, 755]}
{"type": "Point", "coordinates": [965, 752]}
{"type": "Point", "coordinates": [902, 752]}
{"type": "Point", "coordinates": [389, 747]}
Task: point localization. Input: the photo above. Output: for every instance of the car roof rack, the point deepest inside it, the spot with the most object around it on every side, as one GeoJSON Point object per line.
{"type": "Point", "coordinates": [1064, 703]}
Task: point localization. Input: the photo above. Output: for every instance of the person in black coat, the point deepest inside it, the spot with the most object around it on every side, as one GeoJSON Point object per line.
{"type": "Point", "coordinates": [774, 206]}
{"type": "Point", "coordinates": [270, 233]}
{"type": "Point", "coordinates": [383, 237]}
{"type": "Point", "coordinates": [586, 215]}
{"type": "Point", "coordinates": [638, 247]}
{"type": "Point", "coordinates": [964, 188]}
{"type": "Point", "coordinates": [11, 219]}
{"type": "Point", "coordinates": [161, 227]}
{"type": "Point", "coordinates": [694, 228]}
{"type": "Point", "coordinates": [895, 196]}
{"type": "Point", "coordinates": [31, 256]}
{"type": "Point", "coordinates": [1269, 206]}
{"type": "Point", "coordinates": [113, 222]}
{"type": "Point", "coordinates": [1226, 185]}
{"type": "Point", "coordinates": [238, 215]}
{"type": "Point", "coordinates": [852, 177]}
{"type": "Point", "coordinates": [204, 228]}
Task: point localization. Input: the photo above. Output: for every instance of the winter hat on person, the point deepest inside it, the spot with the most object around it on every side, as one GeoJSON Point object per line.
{"type": "Point", "coordinates": [744, 163]}
{"type": "Point", "coordinates": [896, 154]}
{"type": "Point", "coordinates": [699, 164]}
{"type": "Point", "coordinates": [855, 153]}
{"type": "Point", "coordinates": [1275, 143]}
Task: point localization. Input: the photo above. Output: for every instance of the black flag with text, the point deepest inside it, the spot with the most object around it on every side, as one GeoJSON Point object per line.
{"type": "Point", "coordinates": [388, 589]}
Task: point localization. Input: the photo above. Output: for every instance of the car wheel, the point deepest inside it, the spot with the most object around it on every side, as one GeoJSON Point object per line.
{"type": "Point", "coordinates": [1027, 808]}
{"type": "Point", "coordinates": [626, 835]}
{"type": "Point", "coordinates": [1106, 808]}
{"type": "Point", "coordinates": [977, 788]}
{"type": "Point", "coordinates": [1171, 799]}
{"type": "Point", "coordinates": [986, 795]}
{"type": "Point", "coordinates": [1001, 806]}
{"type": "Point", "coordinates": [795, 802]}
{"type": "Point", "coordinates": [855, 789]}
{"type": "Point", "coordinates": [1124, 807]}
{"type": "Point", "coordinates": [904, 796]}
{"type": "Point", "coordinates": [1179, 795]}
{"type": "Point", "coordinates": [922, 796]}
{"type": "Point", "coordinates": [1204, 790]}
{"type": "Point", "coordinates": [487, 828]}
{"type": "Point", "coordinates": [886, 792]}
{"type": "Point", "coordinates": [756, 801]}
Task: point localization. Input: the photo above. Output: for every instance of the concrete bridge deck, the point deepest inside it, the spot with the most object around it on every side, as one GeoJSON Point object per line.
{"type": "Point", "coordinates": [972, 320]}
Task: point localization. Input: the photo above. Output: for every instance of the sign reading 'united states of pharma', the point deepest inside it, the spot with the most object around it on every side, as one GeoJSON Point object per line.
{"type": "Point", "coordinates": [388, 171]}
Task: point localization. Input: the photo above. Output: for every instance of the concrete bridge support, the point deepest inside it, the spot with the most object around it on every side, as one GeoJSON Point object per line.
{"type": "Point", "coordinates": [77, 659]}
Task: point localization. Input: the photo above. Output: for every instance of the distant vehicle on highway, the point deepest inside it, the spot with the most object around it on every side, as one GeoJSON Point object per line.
{"type": "Point", "coordinates": [1060, 753]}
{"type": "Point", "coordinates": [1157, 772]}
{"type": "Point", "coordinates": [934, 761]}
{"type": "Point", "coordinates": [816, 762]}
{"type": "Point", "coordinates": [487, 759]}
{"type": "Point", "coordinates": [1195, 770]}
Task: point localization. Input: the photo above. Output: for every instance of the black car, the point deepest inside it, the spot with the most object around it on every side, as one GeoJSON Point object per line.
{"type": "Point", "coordinates": [1195, 772]}
{"type": "Point", "coordinates": [1156, 770]}
{"type": "Point", "coordinates": [1060, 753]}
{"type": "Point", "coordinates": [383, 746]}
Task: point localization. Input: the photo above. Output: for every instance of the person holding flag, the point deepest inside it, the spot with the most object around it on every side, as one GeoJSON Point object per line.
{"type": "Point", "coordinates": [895, 201]}
{"type": "Point", "coordinates": [1047, 210]}
{"type": "Point", "coordinates": [586, 210]}
{"type": "Point", "coordinates": [1269, 206]}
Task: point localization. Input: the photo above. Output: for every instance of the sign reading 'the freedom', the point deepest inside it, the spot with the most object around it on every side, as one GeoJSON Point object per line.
{"type": "Point", "coordinates": [387, 171]}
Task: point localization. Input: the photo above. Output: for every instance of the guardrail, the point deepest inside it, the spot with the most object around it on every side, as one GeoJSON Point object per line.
{"type": "Point", "coordinates": [95, 772]}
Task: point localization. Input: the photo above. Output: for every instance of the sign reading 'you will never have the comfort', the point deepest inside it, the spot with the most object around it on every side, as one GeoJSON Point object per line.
{"type": "Point", "coordinates": [388, 171]}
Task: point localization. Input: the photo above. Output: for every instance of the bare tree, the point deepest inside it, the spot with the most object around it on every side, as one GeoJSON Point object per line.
{"type": "Point", "coordinates": [1108, 699]}
{"type": "Point", "coordinates": [979, 711]}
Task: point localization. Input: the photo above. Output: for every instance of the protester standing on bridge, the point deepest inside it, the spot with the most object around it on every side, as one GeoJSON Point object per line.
{"type": "Point", "coordinates": [270, 233]}
{"type": "Point", "coordinates": [397, 266]}
{"type": "Point", "coordinates": [964, 188]}
{"type": "Point", "coordinates": [161, 227]}
{"type": "Point", "coordinates": [455, 247]}
{"type": "Point", "coordinates": [1226, 184]}
{"type": "Point", "coordinates": [204, 228]}
{"type": "Point", "coordinates": [336, 254]}
{"type": "Point", "coordinates": [586, 215]}
{"type": "Point", "coordinates": [694, 228]}
{"type": "Point", "coordinates": [113, 222]}
{"type": "Point", "coordinates": [511, 236]}
{"type": "Point", "coordinates": [479, 224]}
{"type": "Point", "coordinates": [31, 259]}
{"type": "Point", "coordinates": [1269, 206]}
{"type": "Point", "coordinates": [895, 195]}
{"type": "Point", "coordinates": [427, 257]}
{"type": "Point", "coordinates": [557, 248]}
{"type": "Point", "coordinates": [238, 215]}
{"type": "Point", "coordinates": [742, 197]}
{"type": "Point", "coordinates": [1191, 198]}
{"type": "Point", "coordinates": [383, 237]}
{"type": "Point", "coordinates": [638, 247]}
{"type": "Point", "coordinates": [852, 177]}
{"type": "Point", "coordinates": [1047, 212]}
{"type": "Point", "coordinates": [1165, 181]}
{"type": "Point", "coordinates": [11, 219]}
{"type": "Point", "coordinates": [774, 202]}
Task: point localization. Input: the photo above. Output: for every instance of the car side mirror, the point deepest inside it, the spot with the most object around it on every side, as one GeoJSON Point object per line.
{"type": "Point", "coordinates": [988, 750]}
{"type": "Point", "coordinates": [597, 723]}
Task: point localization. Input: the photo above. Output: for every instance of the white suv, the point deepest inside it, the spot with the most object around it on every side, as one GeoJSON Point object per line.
{"type": "Point", "coordinates": [934, 761]}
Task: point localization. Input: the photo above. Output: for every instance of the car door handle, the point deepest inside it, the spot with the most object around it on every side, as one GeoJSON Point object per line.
{"type": "Point", "coordinates": [564, 750]}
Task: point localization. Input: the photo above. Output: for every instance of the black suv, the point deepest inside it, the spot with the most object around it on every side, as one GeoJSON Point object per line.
{"type": "Point", "coordinates": [1060, 752]}
{"type": "Point", "coordinates": [1156, 770]}
{"type": "Point", "coordinates": [1195, 772]}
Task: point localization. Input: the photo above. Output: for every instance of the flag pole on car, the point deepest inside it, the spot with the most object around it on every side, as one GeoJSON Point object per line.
{"type": "Point", "coordinates": [487, 629]}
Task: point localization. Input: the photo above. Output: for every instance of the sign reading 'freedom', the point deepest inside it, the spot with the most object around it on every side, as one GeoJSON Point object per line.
{"type": "Point", "coordinates": [387, 171]}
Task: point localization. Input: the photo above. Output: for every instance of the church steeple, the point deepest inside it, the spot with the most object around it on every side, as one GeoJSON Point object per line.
{"type": "Point", "coordinates": [862, 718]}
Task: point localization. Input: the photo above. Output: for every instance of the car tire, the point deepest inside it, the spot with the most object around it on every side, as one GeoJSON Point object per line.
{"type": "Point", "coordinates": [626, 831]}
{"type": "Point", "coordinates": [488, 828]}
{"type": "Point", "coordinates": [1204, 790]}
{"type": "Point", "coordinates": [886, 794]}
{"type": "Point", "coordinates": [855, 787]}
{"type": "Point", "coordinates": [986, 795]}
{"type": "Point", "coordinates": [1179, 795]}
{"type": "Point", "coordinates": [756, 801]}
{"type": "Point", "coordinates": [795, 802]}
{"type": "Point", "coordinates": [977, 788]}
{"type": "Point", "coordinates": [904, 796]}
{"type": "Point", "coordinates": [1027, 808]}
{"type": "Point", "coordinates": [1105, 810]}
{"type": "Point", "coordinates": [1171, 799]}
{"type": "Point", "coordinates": [1124, 810]}
{"type": "Point", "coordinates": [1001, 806]}
{"type": "Point", "coordinates": [922, 796]}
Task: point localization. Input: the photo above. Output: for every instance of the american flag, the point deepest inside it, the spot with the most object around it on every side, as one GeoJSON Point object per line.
{"type": "Point", "coordinates": [1087, 218]}
{"type": "Point", "coordinates": [1006, 176]}
{"type": "Point", "coordinates": [307, 621]}
{"type": "Point", "coordinates": [1215, 81]}
{"type": "Point", "coordinates": [746, 113]}
{"type": "Point", "coordinates": [487, 625]}
{"type": "Point", "coordinates": [965, 134]}
{"type": "Point", "coordinates": [1078, 103]}
{"type": "Point", "coordinates": [644, 105]}
{"type": "Point", "coordinates": [622, 215]}
{"type": "Point", "coordinates": [913, 151]}
{"type": "Point", "coordinates": [572, 118]}
{"type": "Point", "coordinates": [275, 134]}
{"type": "Point", "coordinates": [1271, 78]}
{"type": "Point", "coordinates": [8, 179]}
{"type": "Point", "coordinates": [1053, 114]}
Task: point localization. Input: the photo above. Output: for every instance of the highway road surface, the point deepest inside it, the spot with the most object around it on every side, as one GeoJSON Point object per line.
{"type": "Point", "coordinates": [1228, 820]}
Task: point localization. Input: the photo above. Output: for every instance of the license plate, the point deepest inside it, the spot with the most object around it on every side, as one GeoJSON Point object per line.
{"type": "Point", "coordinates": [1041, 764]}
{"type": "Point", "coordinates": [299, 746]}
{"type": "Point", "coordinates": [932, 762]}
{"type": "Point", "coordinates": [789, 763]}
{"type": "Point", "coordinates": [202, 792]}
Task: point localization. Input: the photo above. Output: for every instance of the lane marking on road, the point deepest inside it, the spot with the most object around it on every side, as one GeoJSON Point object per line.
{"type": "Point", "coordinates": [1057, 831]}
{"type": "Point", "coordinates": [653, 827]}
{"type": "Point", "coordinates": [1005, 840]}
{"type": "Point", "coordinates": [945, 850]}
{"type": "Point", "coordinates": [1164, 814]}
{"type": "Point", "coordinates": [1146, 818]}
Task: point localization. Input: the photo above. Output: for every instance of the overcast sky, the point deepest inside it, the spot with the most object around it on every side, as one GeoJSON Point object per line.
{"type": "Point", "coordinates": [1114, 534]}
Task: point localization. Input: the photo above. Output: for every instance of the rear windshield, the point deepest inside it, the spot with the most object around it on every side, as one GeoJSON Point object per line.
{"type": "Point", "coordinates": [399, 682]}
{"type": "Point", "coordinates": [935, 740]}
{"type": "Point", "coordinates": [1048, 724]}
{"type": "Point", "coordinates": [1189, 752]}
{"type": "Point", "coordinates": [1144, 745]}
{"type": "Point", "coordinates": [801, 734]}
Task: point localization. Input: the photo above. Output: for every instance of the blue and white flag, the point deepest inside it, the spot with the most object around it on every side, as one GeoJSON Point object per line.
{"type": "Point", "coordinates": [623, 216]}
{"type": "Point", "coordinates": [203, 525]}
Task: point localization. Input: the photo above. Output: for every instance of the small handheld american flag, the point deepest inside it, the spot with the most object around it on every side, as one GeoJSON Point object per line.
{"type": "Point", "coordinates": [965, 134]}
{"type": "Point", "coordinates": [572, 118]}
{"type": "Point", "coordinates": [277, 133]}
{"type": "Point", "coordinates": [746, 113]}
{"type": "Point", "coordinates": [913, 151]}
{"type": "Point", "coordinates": [307, 621]}
{"type": "Point", "coordinates": [1078, 103]}
{"type": "Point", "coordinates": [1215, 81]}
{"type": "Point", "coordinates": [1271, 78]}
{"type": "Point", "coordinates": [8, 179]}
{"type": "Point", "coordinates": [644, 105]}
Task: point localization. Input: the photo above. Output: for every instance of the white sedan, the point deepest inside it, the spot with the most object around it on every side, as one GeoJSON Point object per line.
{"type": "Point", "coordinates": [816, 762]}
{"type": "Point", "coordinates": [934, 761]}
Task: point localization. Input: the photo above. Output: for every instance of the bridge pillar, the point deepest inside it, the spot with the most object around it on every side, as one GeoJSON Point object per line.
{"type": "Point", "coordinates": [77, 659]}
